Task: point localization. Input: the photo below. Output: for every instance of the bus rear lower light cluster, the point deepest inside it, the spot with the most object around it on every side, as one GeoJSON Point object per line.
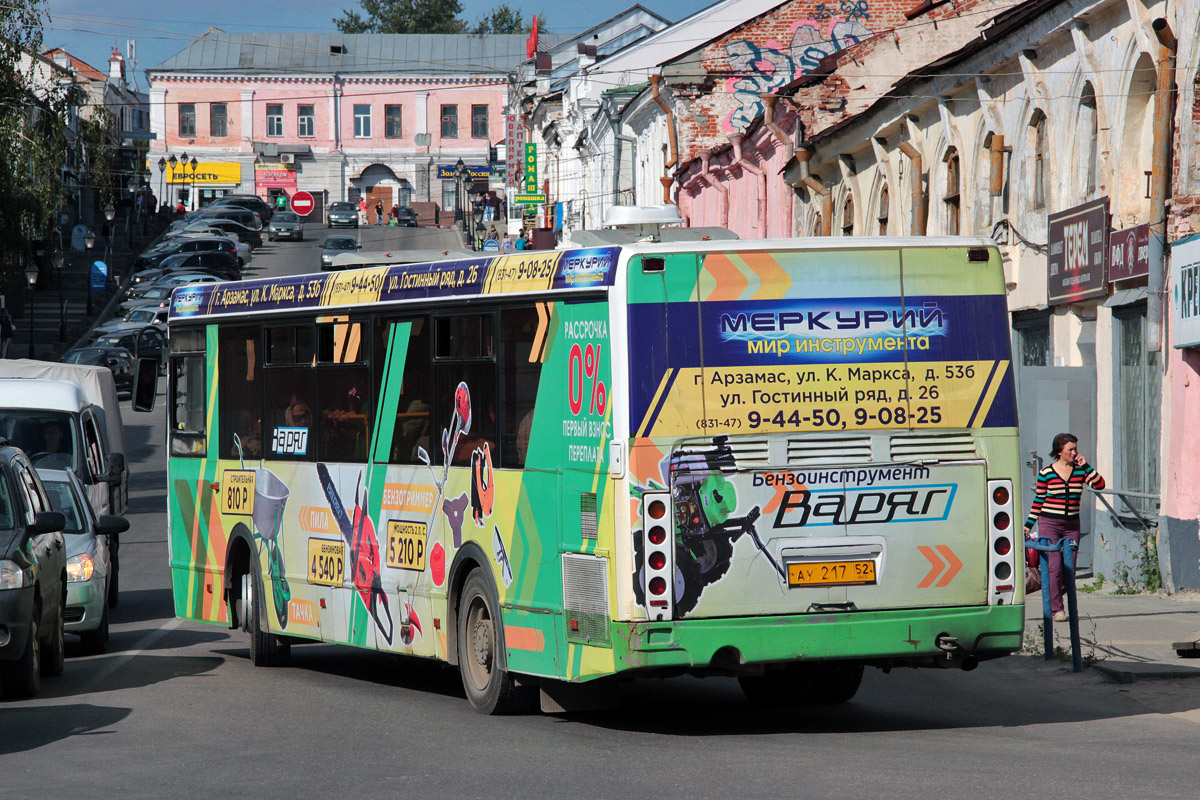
{"type": "Point", "coordinates": [1002, 555]}
{"type": "Point", "coordinates": [658, 548]}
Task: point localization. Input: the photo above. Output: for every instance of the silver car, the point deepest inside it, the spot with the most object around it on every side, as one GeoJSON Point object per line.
{"type": "Point", "coordinates": [286, 225]}
{"type": "Point", "coordinates": [334, 246]}
{"type": "Point", "coordinates": [92, 567]}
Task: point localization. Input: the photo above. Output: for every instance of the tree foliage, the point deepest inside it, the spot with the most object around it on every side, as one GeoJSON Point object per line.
{"type": "Point", "coordinates": [429, 16]}
{"type": "Point", "coordinates": [36, 139]}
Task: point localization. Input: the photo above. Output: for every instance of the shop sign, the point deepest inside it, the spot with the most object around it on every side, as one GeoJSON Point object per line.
{"type": "Point", "coordinates": [274, 176]}
{"type": "Point", "coordinates": [1129, 253]}
{"type": "Point", "coordinates": [514, 149]}
{"type": "Point", "coordinates": [531, 181]}
{"type": "Point", "coordinates": [475, 172]}
{"type": "Point", "coordinates": [207, 172]}
{"type": "Point", "coordinates": [1185, 291]}
{"type": "Point", "coordinates": [1078, 249]}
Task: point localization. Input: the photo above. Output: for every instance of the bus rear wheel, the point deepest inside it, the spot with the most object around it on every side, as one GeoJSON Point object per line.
{"type": "Point", "coordinates": [490, 688]}
{"type": "Point", "coordinates": [803, 684]}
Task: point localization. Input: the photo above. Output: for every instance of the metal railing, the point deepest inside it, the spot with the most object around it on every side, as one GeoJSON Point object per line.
{"type": "Point", "coordinates": [1145, 519]}
{"type": "Point", "coordinates": [1067, 547]}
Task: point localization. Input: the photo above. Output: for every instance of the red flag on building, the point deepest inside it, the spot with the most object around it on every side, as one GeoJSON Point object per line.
{"type": "Point", "coordinates": [531, 42]}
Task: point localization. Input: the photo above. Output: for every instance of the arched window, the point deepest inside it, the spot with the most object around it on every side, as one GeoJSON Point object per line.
{"type": "Point", "coordinates": [1089, 131]}
{"type": "Point", "coordinates": [848, 215]}
{"type": "Point", "coordinates": [1137, 138]}
{"type": "Point", "coordinates": [1038, 149]}
{"type": "Point", "coordinates": [951, 197]}
{"type": "Point", "coordinates": [816, 225]}
{"type": "Point", "coordinates": [885, 203]}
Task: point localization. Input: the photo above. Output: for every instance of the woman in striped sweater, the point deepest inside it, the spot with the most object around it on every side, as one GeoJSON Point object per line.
{"type": "Point", "coordinates": [1056, 503]}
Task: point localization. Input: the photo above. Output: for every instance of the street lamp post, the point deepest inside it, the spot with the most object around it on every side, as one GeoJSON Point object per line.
{"type": "Point", "coordinates": [162, 183]}
{"type": "Point", "coordinates": [89, 241]}
{"type": "Point", "coordinates": [460, 170]}
{"type": "Point", "coordinates": [173, 161]}
{"type": "Point", "coordinates": [195, 201]}
{"type": "Point", "coordinates": [62, 306]}
{"type": "Point", "coordinates": [477, 235]}
{"type": "Point", "coordinates": [31, 276]}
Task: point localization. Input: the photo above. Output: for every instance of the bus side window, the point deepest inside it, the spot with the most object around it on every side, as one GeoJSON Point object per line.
{"type": "Point", "coordinates": [240, 393]}
{"type": "Point", "coordinates": [465, 354]}
{"type": "Point", "coordinates": [343, 392]}
{"type": "Point", "coordinates": [411, 427]}
{"type": "Point", "coordinates": [189, 408]}
{"type": "Point", "coordinates": [290, 430]}
{"type": "Point", "coordinates": [522, 369]}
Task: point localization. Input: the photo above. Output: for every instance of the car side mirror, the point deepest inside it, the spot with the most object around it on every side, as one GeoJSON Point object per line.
{"type": "Point", "coordinates": [48, 522]}
{"type": "Point", "coordinates": [111, 525]}
{"type": "Point", "coordinates": [145, 384]}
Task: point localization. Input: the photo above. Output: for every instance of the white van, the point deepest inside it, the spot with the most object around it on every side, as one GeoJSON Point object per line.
{"type": "Point", "coordinates": [60, 426]}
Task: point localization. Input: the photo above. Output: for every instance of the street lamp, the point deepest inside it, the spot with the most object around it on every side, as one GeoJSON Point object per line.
{"type": "Point", "coordinates": [460, 170]}
{"type": "Point", "coordinates": [183, 167]}
{"type": "Point", "coordinates": [162, 183]}
{"type": "Point", "coordinates": [31, 276]}
{"type": "Point", "coordinates": [58, 262]}
{"type": "Point", "coordinates": [173, 161]}
{"type": "Point", "coordinates": [195, 202]}
{"type": "Point", "coordinates": [477, 213]}
{"type": "Point", "coordinates": [89, 241]}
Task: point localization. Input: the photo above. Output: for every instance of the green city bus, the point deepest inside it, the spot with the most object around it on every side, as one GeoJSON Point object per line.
{"type": "Point", "coordinates": [784, 460]}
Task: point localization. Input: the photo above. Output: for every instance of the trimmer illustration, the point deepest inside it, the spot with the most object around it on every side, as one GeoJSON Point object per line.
{"type": "Point", "coordinates": [270, 499]}
{"type": "Point", "coordinates": [359, 534]}
{"type": "Point", "coordinates": [705, 530]}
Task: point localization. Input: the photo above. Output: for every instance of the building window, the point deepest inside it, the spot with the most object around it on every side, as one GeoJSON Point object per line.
{"type": "Point", "coordinates": [951, 198]}
{"type": "Point", "coordinates": [817, 225]}
{"type": "Point", "coordinates": [1139, 386]}
{"type": "Point", "coordinates": [1037, 142]}
{"type": "Point", "coordinates": [449, 196]}
{"type": "Point", "coordinates": [1032, 333]}
{"type": "Point", "coordinates": [274, 120]}
{"type": "Point", "coordinates": [362, 121]}
{"type": "Point", "coordinates": [392, 119]}
{"type": "Point", "coordinates": [218, 120]}
{"type": "Point", "coordinates": [306, 121]}
{"type": "Point", "coordinates": [479, 122]}
{"type": "Point", "coordinates": [187, 119]}
{"type": "Point", "coordinates": [848, 216]}
{"type": "Point", "coordinates": [449, 122]}
{"type": "Point", "coordinates": [885, 203]}
{"type": "Point", "coordinates": [1089, 128]}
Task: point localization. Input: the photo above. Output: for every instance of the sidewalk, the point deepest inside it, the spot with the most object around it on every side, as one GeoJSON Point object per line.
{"type": "Point", "coordinates": [1132, 637]}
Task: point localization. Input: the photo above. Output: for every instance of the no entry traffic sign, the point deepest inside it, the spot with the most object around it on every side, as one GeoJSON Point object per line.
{"type": "Point", "coordinates": [302, 203]}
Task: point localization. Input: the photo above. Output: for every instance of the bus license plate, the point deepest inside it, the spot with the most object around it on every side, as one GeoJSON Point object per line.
{"type": "Point", "coordinates": [831, 573]}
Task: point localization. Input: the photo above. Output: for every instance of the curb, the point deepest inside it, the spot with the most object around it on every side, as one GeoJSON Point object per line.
{"type": "Point", "coordinates": [1129, 673]}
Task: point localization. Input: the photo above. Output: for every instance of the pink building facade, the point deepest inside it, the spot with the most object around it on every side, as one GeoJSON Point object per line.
{"type": "Point", "coordinates": [341, 117]}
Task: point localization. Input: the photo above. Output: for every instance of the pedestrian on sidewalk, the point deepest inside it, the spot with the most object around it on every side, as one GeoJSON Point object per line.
{"type": "Point", "coordinates": [378, 212]}
{"type": "Point", "coordinates": [6, 331]}
{"type": "Point", "coordinates": [1056, 504]}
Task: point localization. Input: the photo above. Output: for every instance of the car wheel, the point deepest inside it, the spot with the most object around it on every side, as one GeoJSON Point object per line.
{"type": "Point", "coordinates": [114, 578]}
{"type": "Point", "coordinates": [95, 641]}
{"type": "Point", "coordinates": [21, 678]}
{"type": "Point", "coordinates": [54, 656]}
{"type": "Point", "coordinates": [490, 688]}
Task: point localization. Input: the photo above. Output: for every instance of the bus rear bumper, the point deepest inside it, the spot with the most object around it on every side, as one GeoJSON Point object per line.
{"type": "Point", "coordinates": [897, 638]}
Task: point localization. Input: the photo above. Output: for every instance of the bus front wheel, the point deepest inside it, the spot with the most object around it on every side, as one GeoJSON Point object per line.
{"type": "Point", "coordinates": [490, 688]}
{"type": "Point", "coordinates": [265, 648]}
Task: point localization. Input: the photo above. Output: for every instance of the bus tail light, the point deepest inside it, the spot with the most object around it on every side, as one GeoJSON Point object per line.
{"type": "Point", "coordinates": [658, 548]}
{"type": "Point", "coordinates": [1001, 557]}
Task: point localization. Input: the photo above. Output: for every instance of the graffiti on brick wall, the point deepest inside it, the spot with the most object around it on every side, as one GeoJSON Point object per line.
{"type": "Point", "coordinates": [762, 67]}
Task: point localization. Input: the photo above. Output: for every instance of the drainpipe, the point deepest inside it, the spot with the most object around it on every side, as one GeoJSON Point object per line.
{"type": "Point", "coordinates": [655, 80]}
{"type": "Point", "coordinates": [712, 181]}
{"type": "Point", "coordinates": [1164, 118]}
{"type": "Point", "coordinates": [789, 150]}
{"type": "Point", "coordinates": [826, 203]}
{"type": "Point", "coordinates": [918, 208]}
{"type": "Point", "coordinates": [667, 182]}
{"type": "Point", "coordinates": [736, 140]}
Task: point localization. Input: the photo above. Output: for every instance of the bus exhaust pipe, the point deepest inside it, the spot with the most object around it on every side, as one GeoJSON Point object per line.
{"type": "Point", "coordinates": [968, 663]}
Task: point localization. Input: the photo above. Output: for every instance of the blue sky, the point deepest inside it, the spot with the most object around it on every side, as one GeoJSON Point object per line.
{"type": "Point", "coordinates": [89, 29]}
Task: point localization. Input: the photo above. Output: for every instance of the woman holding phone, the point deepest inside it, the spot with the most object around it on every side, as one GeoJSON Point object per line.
{"type": "Point", "coordinates": [1056, 503]}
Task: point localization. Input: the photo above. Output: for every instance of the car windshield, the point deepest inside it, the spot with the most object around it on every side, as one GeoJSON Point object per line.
{"type": "Point", "coordinates": [142, 315]}
{"type": "Point", "coordinates": [93, 357]}
{"type": "Point", "coordinates": [339, 244]}
{"type": "Point", "coordinates": [341, 207]}
{"type": "Point", "coordinates": [286, 216]}
{"type": "Point", "coordinates": [47, 437]}
{"type": "Point", "coordinates": [62, 500]}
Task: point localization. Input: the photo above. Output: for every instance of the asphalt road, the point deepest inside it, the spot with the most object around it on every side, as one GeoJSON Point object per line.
{"type": "Point", "coordinates": [176, 709]}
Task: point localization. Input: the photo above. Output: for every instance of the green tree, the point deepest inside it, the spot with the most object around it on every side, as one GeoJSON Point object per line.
{"type": "Point", "coordinates": [506, 19]}
{"type": "Point", "coordinates": [403, 16]}
{"type": "Point", "coordinates": [36, 141]}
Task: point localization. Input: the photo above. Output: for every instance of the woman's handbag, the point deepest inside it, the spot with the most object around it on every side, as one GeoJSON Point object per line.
{"type": "Point", "coordinates": [1033, 571]}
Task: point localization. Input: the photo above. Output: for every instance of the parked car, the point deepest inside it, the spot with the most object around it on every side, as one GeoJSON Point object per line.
{"type": "Point", "coordinates": [118, 360]}
{"type": "Point", "coordinates": [406, 217]}
{"type": "Point", "coordinates": [251, 202]}
{"type": "Point", "coordinates": [33, 574]}
{"type": "Point", "coordinates": [145, 294]}
{"type": "Point", "coordinates": [335, 246]}
{"type": "Point", "coordinates": [159, 279]}
{"type": "Point", "coordinates": [185, 244]}
{"type": "Point", "coordinates": [242, 215]}
{"type": "Point", "coordinates": [342, 214]}
{"type": "Point", "coordinates": [92, 563]}
{"type": "Point", "coordinates": [216, 261]}
{"type": "Point", "coordinates": [226, 227]}
{"type": "Point", "coordinates": [143, 342]}
{"type": "Point", "coordinates": [286, 225]}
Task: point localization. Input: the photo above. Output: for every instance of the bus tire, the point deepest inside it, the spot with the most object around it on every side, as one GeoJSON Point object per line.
{"type": "Point", "coordinates": [834, 682]}
{"type": "Point", "coordinates": [265, 648]}
{"type": "Point", "coordinates": [786, 687]}
{"type": "Point", "coordinates": [490, 688]}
